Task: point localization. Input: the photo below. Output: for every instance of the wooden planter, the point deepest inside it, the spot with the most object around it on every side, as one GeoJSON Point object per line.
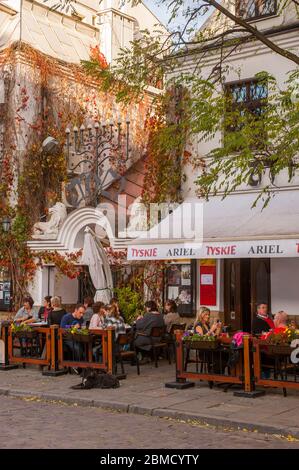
{"type": "Point", "coordinates": [78, 338]}
{"type": "Point", "coordinates": [25, 334]}
{"type": "Point", "coordinates": [201, 344]}
{"type": "Point", "coordinates": [276, 349]}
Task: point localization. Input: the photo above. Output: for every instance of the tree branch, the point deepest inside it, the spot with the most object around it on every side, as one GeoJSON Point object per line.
{"type": "Point", "coordinates": [255, 32]}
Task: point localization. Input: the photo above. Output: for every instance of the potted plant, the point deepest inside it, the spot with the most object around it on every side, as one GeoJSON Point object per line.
{"type": "Point", "coordinates": [196, 341]}
{"type": "Point", "coordinates": [130, 303]}
{"type": "Point", "coordinates": [23, 331]}
{"type": "Point", "coordinates": [278, 341]}
{"type": "Point", "coordinates": [82, 335]}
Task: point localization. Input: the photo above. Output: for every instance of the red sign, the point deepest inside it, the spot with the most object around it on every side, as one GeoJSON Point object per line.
{"type": "Point", "coordinates": [208, 288]}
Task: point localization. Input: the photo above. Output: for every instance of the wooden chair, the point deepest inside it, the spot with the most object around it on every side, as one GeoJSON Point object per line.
{"type": "Point", "coordinates": [158, 341]}
{"type": "Point", "coordinates": [124, 340]}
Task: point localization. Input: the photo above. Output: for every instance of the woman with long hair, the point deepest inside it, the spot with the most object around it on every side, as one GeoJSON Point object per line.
{"type": "Point", "coordinates": [202, 323]}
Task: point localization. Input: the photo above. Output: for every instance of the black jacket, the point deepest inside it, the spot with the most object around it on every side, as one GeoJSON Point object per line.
{"type": "Point", "coordinates": [259, 325]}
{"type": "Point", "coordinates": [55, 317]}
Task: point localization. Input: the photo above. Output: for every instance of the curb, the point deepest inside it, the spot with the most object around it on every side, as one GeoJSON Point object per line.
{"type": "Point", "coordinates": [192, 418]}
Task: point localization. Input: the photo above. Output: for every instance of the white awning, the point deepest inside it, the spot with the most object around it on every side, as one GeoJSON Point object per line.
{"type": "Point", "coordinates": [227, 228]}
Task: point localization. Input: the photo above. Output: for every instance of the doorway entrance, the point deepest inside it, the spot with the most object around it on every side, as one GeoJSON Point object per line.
{"type": "Point", "coordinates": [246, 284]}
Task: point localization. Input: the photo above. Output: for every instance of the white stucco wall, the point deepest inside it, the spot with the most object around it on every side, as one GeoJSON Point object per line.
{"type": "Point", "coordinates": [243, 64]}
{"type": "Point", "coordinates": [285, 285]}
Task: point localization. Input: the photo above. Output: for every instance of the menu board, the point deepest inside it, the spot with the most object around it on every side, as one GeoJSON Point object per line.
{"type": "Point", "coordinates": [178, 286]}
{"type": "Point", "coordinates": [5, 294]}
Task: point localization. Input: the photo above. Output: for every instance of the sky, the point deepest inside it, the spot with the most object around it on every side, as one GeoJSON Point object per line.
{"type": "Point", "coordinates": [163, 14]}
{"type": "Point", "coordinates": [160, 11]}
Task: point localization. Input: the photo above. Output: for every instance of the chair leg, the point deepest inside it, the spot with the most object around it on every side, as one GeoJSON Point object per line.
{"type": "Point", "coordinates": [137, 363]}
{"type": "Point", "coordinates": [122, 364]}
{"type": "Point", "coordinates": [155, 356]}
{"type": "Point", "coordinates": [169, 353]}
{"type": "Point", "coordinates": [187, 359]}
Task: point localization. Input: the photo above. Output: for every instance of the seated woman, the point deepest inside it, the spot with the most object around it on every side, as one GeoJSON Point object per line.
{"type": "Point", "coordinates": [281, 319]}
{"type": "Point", "coordinates": [27, 313]}
{"type": "Point", "coordinates": [45, 309]}
{"type": "Point", "coordinates": [57, 313]}
{"type": "Point", "coordinates": [114, 319]}
{"type": "Point", "coordinates": [171, 316]}
{"type": "Point", "coordinates": [97, 321]}
{"type": "Point", "coordinates": [202, 325]}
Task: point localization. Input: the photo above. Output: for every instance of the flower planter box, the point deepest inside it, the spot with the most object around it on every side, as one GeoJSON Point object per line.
{"type": "Point", "coordinates": [201, 344]}
{"type": "Point", "coordinates": [276, 349]}
{"type": "Point", "coordinates": [77, 337]}
{"type": "Point", "coordinates": [25, 334]}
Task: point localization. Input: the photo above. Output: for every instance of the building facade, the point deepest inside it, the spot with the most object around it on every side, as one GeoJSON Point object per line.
{"type": "Point", "coordinates": [43, 93]}
{"type": "Point", "coordinates": [246, 256]}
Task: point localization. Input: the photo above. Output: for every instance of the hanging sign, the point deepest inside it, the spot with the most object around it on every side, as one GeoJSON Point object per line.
{"type": "Point", "coordinates": [238, 249]}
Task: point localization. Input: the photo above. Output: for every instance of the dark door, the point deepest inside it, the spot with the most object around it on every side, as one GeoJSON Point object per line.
{"type": "Point", "coordinates": [85, 285]}
{"type": "Point", "coordinates": [260, 282]}
{"type": "Point", "coordinates": [237, 294]}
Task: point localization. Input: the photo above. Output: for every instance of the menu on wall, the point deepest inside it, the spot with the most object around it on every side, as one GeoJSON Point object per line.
{"type": "Point", "coordinates": [179, 286]}
{"type": "Point", "coordinates": [5, 293]}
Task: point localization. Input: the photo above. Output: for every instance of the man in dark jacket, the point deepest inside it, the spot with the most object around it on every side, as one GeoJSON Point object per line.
{"type": "Point", "coordinates": [262, 320]}
{"type": "Point", "coordinates": [152, 318]}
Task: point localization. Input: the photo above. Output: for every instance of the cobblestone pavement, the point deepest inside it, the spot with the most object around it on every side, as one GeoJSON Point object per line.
{"type": "Point", "coordinates": [34, 423]}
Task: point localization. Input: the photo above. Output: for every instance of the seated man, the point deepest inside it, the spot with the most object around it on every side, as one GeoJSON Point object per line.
{"type": "Point", "coordinates": [152, 318]}
{"type": "Point", "coordinates": [262, 322]}
{"type": "Point", "coordinates": [74, 320]}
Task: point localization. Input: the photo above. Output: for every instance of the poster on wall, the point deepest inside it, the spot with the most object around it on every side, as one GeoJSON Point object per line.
{"type": "Point", "coordinates": [186, 275]}
{"type": "Point", "coordinates": [185, 295]}
{"type": "Point", "coordinates": [174, 275]}
{"type": "Point", "coordinates": [173, 293]}
{"type": "Point", "coordinates": [207, 279]}
{"type": "Point", "coordinates": [178, 287]}
{"type": "Point", "coordinates": [6, 298]}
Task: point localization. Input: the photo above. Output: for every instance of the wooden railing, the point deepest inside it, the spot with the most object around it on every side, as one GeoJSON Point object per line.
{"type": "Point", "coordinates": [276, 365]}
{"type": "Point", "coordinates": [80, 352]}
{"type": "Point", "coordinates": [211, 364]}
{"type": "Point", "coordinates": [36, 347]}
{"type": "Point", "coordinates": [258, 365]}
{"type": "Point", "coordinates": [50, 348]}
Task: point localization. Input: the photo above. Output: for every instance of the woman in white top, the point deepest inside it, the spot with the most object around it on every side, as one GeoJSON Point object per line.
{"type": "Point", "coordinates": [98, 319]}
{"type": "Point", "coordinates": [27, 313]}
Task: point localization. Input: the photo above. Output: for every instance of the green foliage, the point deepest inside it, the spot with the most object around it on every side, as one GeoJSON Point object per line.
{"type": "Point", "coordinates": [197, 337]}
{"type": "Point", "coordinates": [22, 328]}
{"type": "Point", "coordinates": [130, 303]}
{"type": "Point", "coordinates": [261, 147]}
